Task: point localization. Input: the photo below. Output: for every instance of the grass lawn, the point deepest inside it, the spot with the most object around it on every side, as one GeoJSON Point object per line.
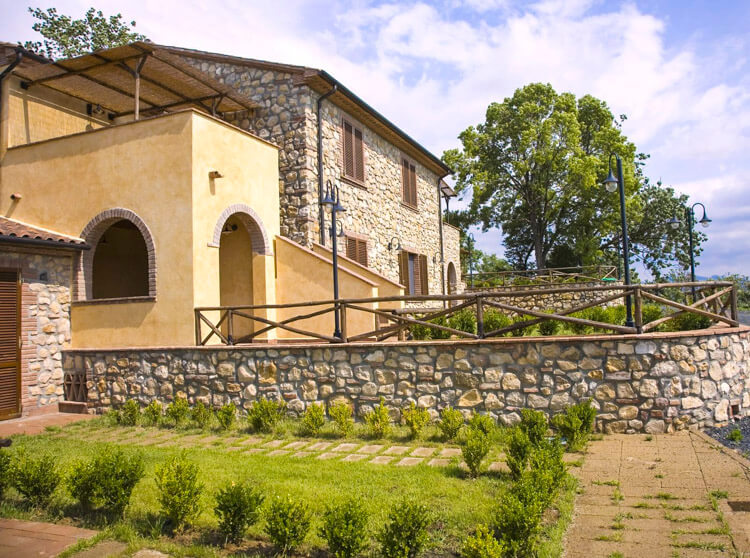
{"type": "Point", "coordinates": [458, 504]}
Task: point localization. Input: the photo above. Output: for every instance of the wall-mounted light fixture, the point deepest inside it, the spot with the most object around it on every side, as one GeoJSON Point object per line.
{"type": "Point", "coordinates": [394, 244]}
{"type": "Point", "coordinates": [15, 196]}
{"type": "Point", "coordinates": [229, 228]}
{"type": "Point", "coordinates": [214, 174]}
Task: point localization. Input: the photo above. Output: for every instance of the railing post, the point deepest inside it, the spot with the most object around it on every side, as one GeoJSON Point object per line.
{"type": "Point", "coordinates": [230, 327]}
{"type": "Point", "coordinates": [342, 310]}
{"type": "Point", "coordinates": [637, 302]}
{"type": "Point", "coordinates": [733, 303]}
{"type": "Point", "coordinates": [197, 327]}
{"type": "Point", "coordinates": [480, 318]}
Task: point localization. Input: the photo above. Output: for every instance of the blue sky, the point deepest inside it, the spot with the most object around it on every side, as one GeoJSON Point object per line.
{"type": "Point", "coordinates": [678, 69]}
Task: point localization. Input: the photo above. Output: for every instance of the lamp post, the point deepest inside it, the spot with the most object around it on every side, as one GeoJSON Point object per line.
{"type": "Point", "coordinates": [470, 238]}
{"type": "Point", "coordinates": [611, 184]}
{"type": "Point", "coordinates": [332, 201]}
{"type": "Point", "coordinates": [690, 217]}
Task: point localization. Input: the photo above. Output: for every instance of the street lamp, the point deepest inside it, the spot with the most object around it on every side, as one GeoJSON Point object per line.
{"type": "Point", "coordinates": [611, 184]}
{"type": "Point", "coordinates": [332, 202]}
{"type": "Point", "coordinates": [674, 222]}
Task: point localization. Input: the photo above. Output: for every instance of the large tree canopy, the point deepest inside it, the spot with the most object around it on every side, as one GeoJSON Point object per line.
{"type": "Point", "coordinates": [65, 37]}
{"type": "Point", "coordinates": [535, 167]}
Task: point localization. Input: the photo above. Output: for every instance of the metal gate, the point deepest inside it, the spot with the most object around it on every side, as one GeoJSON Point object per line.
{"type": "Point", "coordinates": [10, 353]}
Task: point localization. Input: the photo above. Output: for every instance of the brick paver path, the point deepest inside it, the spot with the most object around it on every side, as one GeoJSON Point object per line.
{"type": "Point", "coordinates": [24, 539]}
{"type": "Point", "coordinates": [644, 496]}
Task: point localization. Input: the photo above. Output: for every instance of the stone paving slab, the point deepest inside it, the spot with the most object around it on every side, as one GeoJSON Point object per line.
{"type": "Point", "coordinates": [329, 455]}
{"type": "Point", "coordinates": [277, 452]}
{"type": "Point", "coordinates": [26, 539]}
{"type": "Point", "coordinates": [355, 457]}
{"type": "Point", "coordinates": [296, 445]}
{"type": "Point", "coordinates": [320, 446]}
{"type": "Point", "coordinates": [274, 444]}
{"type": "Point", "coordinates": [345, 448]}
{"type": "Point", "coordinates": [382, 459]}
{"type": "Point", "coordinates": [449, 452]}
{"type": "Point", "coordinates": [423, 452]}
{"type": "Point", "coordinates": [371, 449]}
{"type": "Point", "coordinates": [396, 450]}
{"type": "Point", "coordinates": [410, 461]}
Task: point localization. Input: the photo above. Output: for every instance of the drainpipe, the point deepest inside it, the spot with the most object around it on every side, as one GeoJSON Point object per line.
{"type": "Point", "coordinates": [440, 228]}
{"type": "Point", "coordinates": [322, 212]}
{"type": "Point", "coordinates": [4, 94]}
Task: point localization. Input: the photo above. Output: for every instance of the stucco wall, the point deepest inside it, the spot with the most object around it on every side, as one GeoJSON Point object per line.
{"type": "Point", "coordinates": [650, 383]}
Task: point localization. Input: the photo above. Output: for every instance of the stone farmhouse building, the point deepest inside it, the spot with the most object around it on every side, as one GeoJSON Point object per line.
{"type": "Point", "coordinates": [141, 182]}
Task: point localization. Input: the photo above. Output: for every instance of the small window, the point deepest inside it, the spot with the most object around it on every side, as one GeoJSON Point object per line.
{"type": "Point", "coordinates": [413, 273]}
{"type": "Point", "coordinates": [408, 182]}
{"type": "Point", "coordinates": [354, 157]}
{"type": "Point", "coordinates": [356, 249]}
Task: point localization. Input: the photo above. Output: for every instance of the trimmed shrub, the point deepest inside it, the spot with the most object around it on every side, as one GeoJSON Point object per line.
{"type": "Point", "coordinates": [416, 418]}
{"type": "Point", "coordinates": [518, 448]}
{"type": "Point", "coordinates": [179, 490]}
{"type": "Point", "coordinates": [521, 331]}
{"type": "Point", "coordinates": [440, 333]}
{"type": "Point", "coordinates": [580, 329]}
{"type": "Point", "coordinates": [651, 313]}
{"type": "Point", "coordinates": [450, 423]}
{"type": "Point", "coordinates": [178, 411]}
{"type": "Point", "coordinates": [475, 450]}
{"type": "Point", "coordinates": [341, 414]}
{"type": "Point", "coordinates": [405, 533]}
{"type": "Point", "coordinates": [226, 416]}
{"type": "Point", "coordinates": [549, 327]}
{"type": "Point", "coordinates": [345, 529]}
{"type": "Point", "coordinates": [378, 420]}
{"type": "Point", "coordinates": [518, 519]}
{"type": "Point", "coordinates": [107, 480]}
{"type": "Point", "coordinates": [494, 320]}
{"type": "Point", "coordinates": [237, 507]}
{"type": "Point", "coordinates": [615, 314]}
{"type": "Point", "coordinates": [534, 424]}
{"type": "Point", "coordinates": [264, 414]}
{"type": "Point", "coordinates": [576, 424]}
{"type": "Point", "coordinates": [287, 523]}
{"type": "Point", "coordinates": [314, 419]}
{"type": "Point", "coordinates": [464, 320]}
{"type": "Point", "coordinates": [130, 413]}
{"type": "Point", "coordinates": [201, 415]}
{"type": "Point", "coordinates": [420, 332]}
{"type": "Point", "coordinates": [36, 478]}
{"type": "Point", "coordinates": [5, 471]}
{"type": "Point", "coordinates": [483, 423]}
{"type": "Point", "coordinates": [152, 413]}
{"type": "Point", "coordinates": [546, 470]}
{"type": "Point", "coordinates": [687, 322]}
{"type": "Point", "coordinates": [482, 544]}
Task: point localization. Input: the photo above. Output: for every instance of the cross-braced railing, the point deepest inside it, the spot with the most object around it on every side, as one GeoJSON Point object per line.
{"type": "Point", "coordinates": [714, 300]}
{"type": "Point", "coordinates": [536, 277]}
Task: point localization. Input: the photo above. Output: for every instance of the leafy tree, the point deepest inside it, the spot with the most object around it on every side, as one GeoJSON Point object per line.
{"type": "Point", "coordinates": [65, 37]}
{"type": "Point", "coordinates": [743, 289]}
{"type": "Point", "coordinates": [535, 169]}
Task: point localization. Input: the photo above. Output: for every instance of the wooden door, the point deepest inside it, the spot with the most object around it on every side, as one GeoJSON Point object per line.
{"type": "Point", "coordinates": [10, 357]}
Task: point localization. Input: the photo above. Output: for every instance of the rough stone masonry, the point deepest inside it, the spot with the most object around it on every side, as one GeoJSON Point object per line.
{"type": "Point", "coordinates": [647, 383]}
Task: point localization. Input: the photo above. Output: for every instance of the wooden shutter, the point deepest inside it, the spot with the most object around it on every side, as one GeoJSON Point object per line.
{"type": "Point", "coordinates": [351, 248]}
{"type": "Point", "coordinates": [348, 150]}
{"type": "Point", "coordinates": [10, 368]}
{"type": "Point", "coordinates": [403, 269]}
{"type": "Point", "coordinates": [408, 183]}
{"type": "Point", "coordinates": [424, 282]}
{"type": "Point", "coordinates": [359, 156]}
{"type": "Point", "coordinates": [417, 275]}
{"type": "Point", "coordinates": [413, 185]}
{"type": "Point", "coordinates": [362, 252]}
{"type": "Point", "coordinates": [356, 249]}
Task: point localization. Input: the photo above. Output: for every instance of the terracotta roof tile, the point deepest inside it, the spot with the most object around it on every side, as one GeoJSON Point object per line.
{"type": "Point", "coordinates": [11, 229]}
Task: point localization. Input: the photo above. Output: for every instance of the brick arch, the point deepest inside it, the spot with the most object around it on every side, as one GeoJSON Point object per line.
{"type": "Point", "coordinates": [93, 231]}
{"type": "Point", "coordinates": [252, 222]}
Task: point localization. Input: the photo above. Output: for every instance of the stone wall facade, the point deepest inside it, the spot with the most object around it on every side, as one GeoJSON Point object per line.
{"type": "Point", "coordinates": [47, 279]}
{"type": "Point", "coordinates": [551, 301]}
{"type": "Point", "coordinates": [287, 116]}
{"type": "Point", "coordinates": [646, 383]}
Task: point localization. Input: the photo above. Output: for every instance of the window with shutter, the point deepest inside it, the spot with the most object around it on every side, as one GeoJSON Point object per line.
{"type": "Point", "coordinates": [356, 249]}
{"type": "Point", "coordinates": [354, 153]}
{"type": "Point", "coordinates": [424, 283]}
{"type": "Point", "coordinates": [408, 182]}
{"type": "Point", "coordinates": [10, 377]}
{"type": "Point", "coordinates": [412, 270]}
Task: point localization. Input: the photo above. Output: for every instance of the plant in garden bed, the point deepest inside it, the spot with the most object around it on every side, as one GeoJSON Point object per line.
{"type": "Point", "coordinates": [227, 415]}
{"type": "Point", "coordinates": [287, 523]}
{"type": "Point", "coordinates": [534, 424]}
{"type": "Point", "coordinates": [179, 491]}
{"type": "Point", "coordinates": [450, 423]}
{"type": "Point", "coordinates": [416, 418]}
{"type": "Point", "coordinates": [405, 533]}
{"type": "Point", "coordinates": [475, 449]}
{"type": "Point", "coordinates": [549, 327]}
{"type": "Point", "coordinates": [341, 414]}
{"type": "Point", "coordinates": [518, 448]}
{"type": "Point", "coordinates": [576, 424]}
{"type": "Point", "coordinates": [152, 414]}
{"type": "Point", "coordinates": [483, 423]}
{"type": "Point", "coordinates": [237, 507]}
{"type": "Point", "coordinates": [6, 471]}
{"type": "Point", "coordinates": [178, 412]}
{"type": "Point", "coordinates": [201, 415]}
{"type": "Point", "coordinates": [36, 478]}
{"type": "Point", "coordinates": [130, 413]}
{"type": "Point", "coordinates": [494, 320]}
{"type": "Point", "coordinates": [482, 544]}
{"type": "Point", "coordinates": [378, 420]}
{"type": "Point", "coordinates": [345, 529]}
{"type": "Point", "coordinates": [314, 419]}
{"type": "Point", "coordinates": [264, 414]}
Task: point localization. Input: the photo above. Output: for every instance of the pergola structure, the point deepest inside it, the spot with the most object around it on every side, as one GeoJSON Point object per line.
{"type": "Point", "coordinates": [132, 80]}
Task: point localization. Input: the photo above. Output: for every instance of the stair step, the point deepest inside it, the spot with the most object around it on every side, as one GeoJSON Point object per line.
{"type": "Point", "coordinates": [73, 407]}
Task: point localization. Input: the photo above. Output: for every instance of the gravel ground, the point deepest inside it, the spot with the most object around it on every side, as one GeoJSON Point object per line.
{"type": "Point", "coordinates": [721, 434]}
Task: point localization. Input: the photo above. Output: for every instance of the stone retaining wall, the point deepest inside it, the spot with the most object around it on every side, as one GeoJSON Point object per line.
{"type": "Point", "coordinates": [552, 301]}
{"type": "Point", "coordinates": [647, 383]}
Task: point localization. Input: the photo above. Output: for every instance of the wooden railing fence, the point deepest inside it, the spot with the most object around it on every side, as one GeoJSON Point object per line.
{"type": "Point", "coordinates": [716, 300]}
{"type": "Point", "coordinates": [547, 276]}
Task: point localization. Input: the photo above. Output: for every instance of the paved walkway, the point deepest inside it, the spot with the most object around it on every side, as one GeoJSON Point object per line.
{"type": "Point", "coordinates": [662, 496]}
{"type": "Point", "coordinates": [21, 539]}
{"type": "Point", "coordinates": [38, 424]}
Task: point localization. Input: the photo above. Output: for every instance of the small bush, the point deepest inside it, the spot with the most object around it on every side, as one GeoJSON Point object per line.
{"type": "Point", "coordinates": [5, 471]}
{"type": "Point", "coordinates": [518, 448]}
{"type": "Point", "coordinates": [341, 414]}
{"type": "Point", "coordinates": [378, 420]}
{"type": "Point", "coordinates": [405, 533]}
{"type": "Point", "coordinates": [615, 314]}
{"type": "Point", "coordinates": [546, 471]}
{"type": "Point", "coordinates": [579, 329]}
{"type": "Point", "coordinates": [264, 414]}
{"type": "Point", "coordinates": [494, 320]}
{"type": "Point", "coordinates": [483, 423]}
{"type": "Point", "coordinates": [521, 331]}
{"type": "Point", "coordinates": [152, 413]}
{"type": "Point", "coordinates": [345, 529]}
{"type": "Point", "coordinates": [450, 423]}
{"type": "Point", "coordinates": [287, 523]}
{"type": "Point", "coordinates": [178, 411]}
{"type": "Point", "coordinates": [576, 424]}
{"type": "Point", "coordinates": [482, 544]}
{"type": "Point", "coordinates": [201, 415]}
{"type": "Point", "coordinates": [464, 320]}
{"type": "Point", "coordinates": [107, 480]}
{"type": "Point", "coordinates": [475, 450]}
{"type": "Point", "coordinates": [687, 322]}
{"type": "Point", "coordinates": [651, 313]}
{"type": "Point", "coordinates": [534, 424]}
{"type": "Point", "coordinates": [226, 416]}
{"type": "Point", "coordinates": [36, 478]}
{"type": "Point", "coordinates": [518, 520]}
{"type": "Point", "coordinates": [179, 490]}
{"type": "Point", "coordinates": [314, 419]}
{"type": "Point", "coordinates": [420, 332]}
{"type": "Point", "coordinates": [130, 413]}
{"type": "Point", "coordinates": [416, 419]}
{"type": "Point", "coordinates": [237, 507]}
{"type": "Point", "coordinates": [112, 417]}
{"type": "Point", "coordinates": [436, 333]}
{"type": "Point", "coordinates": [549, 327]}
{"type": "Point", "coordinates": [735, 436]}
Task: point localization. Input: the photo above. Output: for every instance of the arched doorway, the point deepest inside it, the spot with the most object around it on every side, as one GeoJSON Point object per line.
{"type": "Point", "coordinates": [452, 280]}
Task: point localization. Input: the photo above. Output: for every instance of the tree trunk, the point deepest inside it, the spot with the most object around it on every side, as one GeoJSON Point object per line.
{"type": "Point", "coordinates": [539, 251]}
